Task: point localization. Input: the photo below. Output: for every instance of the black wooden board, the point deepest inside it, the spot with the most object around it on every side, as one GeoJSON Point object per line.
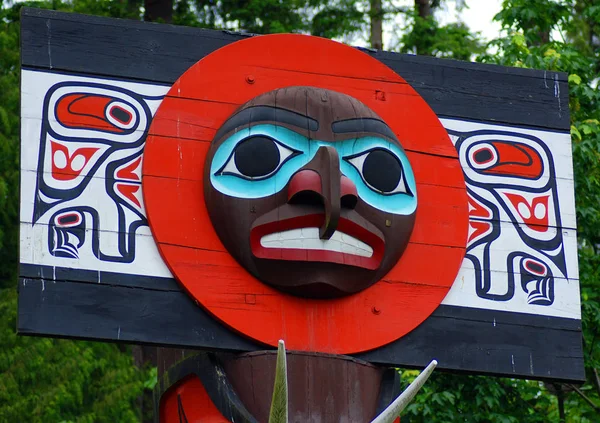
{"type": "Point", "coordinates": [155, 311]}
{"type": "Point", "coordinates": [161, 53]}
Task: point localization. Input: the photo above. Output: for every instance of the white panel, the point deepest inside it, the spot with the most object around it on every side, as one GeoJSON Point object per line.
{"type": "Point", "coordinates": [115, 212]}
{"type": "Point", "coordinates": [566, 304]}
{"type": "Point", "coordinates": [559, 143]}
{"type": "Point", "coordinates": [522, 236]}
{"type": "Point", "coordinates": [34, 250]}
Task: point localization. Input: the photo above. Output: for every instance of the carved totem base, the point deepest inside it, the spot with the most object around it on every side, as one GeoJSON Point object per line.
{"type": "Point", "coordinates": [211, 388]}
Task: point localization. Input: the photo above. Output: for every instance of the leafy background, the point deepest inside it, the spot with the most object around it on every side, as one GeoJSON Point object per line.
{"type": "Point", "coordinates": [50, 380]}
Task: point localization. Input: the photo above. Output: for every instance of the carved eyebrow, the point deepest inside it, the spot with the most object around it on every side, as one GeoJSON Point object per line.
{"type": "Point", "coordinates": [362, 125]}
{"type": "Point", "coordinates": [267, 113]}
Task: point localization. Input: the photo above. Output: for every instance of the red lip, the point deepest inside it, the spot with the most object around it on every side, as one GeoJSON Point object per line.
{"type": "Point", "coordinates": [345, 226]}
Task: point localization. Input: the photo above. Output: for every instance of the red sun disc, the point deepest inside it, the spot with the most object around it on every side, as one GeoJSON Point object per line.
{"type": "Point", "coordinates": [180, 135]}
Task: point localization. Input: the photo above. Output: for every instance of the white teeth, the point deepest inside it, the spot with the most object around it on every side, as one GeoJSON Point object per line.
{"type": "Point", "coordinates": [308, 239]}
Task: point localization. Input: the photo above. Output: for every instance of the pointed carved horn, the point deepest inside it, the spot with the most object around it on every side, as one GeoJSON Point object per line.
{"type": "Point", "coordinates": [393, 411]}
{"type": "Point", "coordinates": [279, 403]}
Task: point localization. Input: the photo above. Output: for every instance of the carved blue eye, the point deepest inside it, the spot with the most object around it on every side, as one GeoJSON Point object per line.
{"type": "Point", "coordinates": [257, 157]}
{"type": "Point", "coordinates": [381, 170]}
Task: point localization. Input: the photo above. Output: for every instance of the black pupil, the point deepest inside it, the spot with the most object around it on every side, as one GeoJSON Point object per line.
{"type": "Point", "coordinates": [257, 156]}
{"type": "Point", "coordinates": [482, 156]}
{"type": "Point", "coordinates": [120, 114]}
{"type": "Point", "coordinates": [382, 170]}
{"type": "Point", "coordinates": [65, 220]}
{"type": "Point", "coordinates": [535, 267]}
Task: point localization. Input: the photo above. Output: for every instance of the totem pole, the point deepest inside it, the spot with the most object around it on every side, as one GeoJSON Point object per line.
{"type": "Point", "coordinates": [232, 194]}
{"type": "Point", "coordinates": [313, 197]}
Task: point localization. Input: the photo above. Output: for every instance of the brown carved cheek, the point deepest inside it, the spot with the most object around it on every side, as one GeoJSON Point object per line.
{"type": "Point", "coordinates": [232, 219]}
{"type": "Point", "coordinates": [397, 230]}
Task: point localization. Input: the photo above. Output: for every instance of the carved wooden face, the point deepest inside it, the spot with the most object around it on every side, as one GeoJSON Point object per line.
{"type": "Point", "coordinates": [310, 191]}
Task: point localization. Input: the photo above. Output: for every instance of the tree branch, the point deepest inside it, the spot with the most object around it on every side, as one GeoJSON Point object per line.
{"type": "Point", "coordinates": [585, 397]}
{"type": "Point", "coordinates": [596, 380]}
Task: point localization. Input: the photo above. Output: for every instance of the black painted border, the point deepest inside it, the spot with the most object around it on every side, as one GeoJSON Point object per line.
{"type": "Point", "coordinates": [151, 310]}
{"type": "Point", "coordinates": [159, 53]}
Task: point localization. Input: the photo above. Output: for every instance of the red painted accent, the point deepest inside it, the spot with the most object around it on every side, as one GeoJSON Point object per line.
{"type": "Point", "coordinates": [65, 171]}
{"type": "Point", "coordinates": [128, 172]}
{"type": "Point", "coordinates": [478, 229]}
{"type": "Point", "coordinates": [478, 210]}
{"type": "Point", "coordinates": [314, 221]}
{"type": "Point", "coordinates": [347, 187]}
{"type": "Point", "coordinates": [60, 220]}
{"type": "Point", "coordinates": [516, 159]}
{"type": "Point", "coordinates": [491, 159]}
{"type": "Point", "coordinates": [179, 137]}
{"type": "Point", "coordinates": [85, 111]}
{"type": "Point", "coordinates": [129, 191]}
{"type": "Point", "coordinates": [531, 265]}
{"type": "Point", "coordinates": [190, 398]}
{"type": "Point", "coordinates": [305, 180]}
{"type": "Point", "coordinates": [540, 202]}
{"type": "Point", "coordinates": [124, 122]}
{"type": "Point", "coordinates": [309, 180]}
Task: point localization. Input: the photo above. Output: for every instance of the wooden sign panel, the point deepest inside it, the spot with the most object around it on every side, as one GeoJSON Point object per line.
{"type": "Point", "coordinates": [206, 189]}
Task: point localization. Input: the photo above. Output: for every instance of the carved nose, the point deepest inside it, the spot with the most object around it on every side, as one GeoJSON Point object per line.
{"type": "Point", "coordinates": [321, 182]}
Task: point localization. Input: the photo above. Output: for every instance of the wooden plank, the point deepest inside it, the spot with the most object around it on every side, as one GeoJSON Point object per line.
{"type": "Point", "coordinates": [518, 345]}
{"type": "Point", "coordinates": [158, 283]}
{"type": "Point", "coordinates": [198, 225]}
{"type": "Point", "coordinates": [504, 349]}
{"type": "Point", "coordinates": [118, 314]}
{"type": "Point", "coordinates": [35, 252]}
{"type": "Point", "coordinates": [196, 130]}
{"type": "Point", "coordinates": [161, 53]}
{"type": "Point", "coordinates": [52, 273]}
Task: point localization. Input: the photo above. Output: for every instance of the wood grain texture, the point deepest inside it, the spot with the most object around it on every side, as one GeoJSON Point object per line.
{"type": "Point", "coordinates": [320, 386]}
{"type": "Point", "coordinates": [180, 204]}
{"type": "Point", "coordinates": [507, 343]}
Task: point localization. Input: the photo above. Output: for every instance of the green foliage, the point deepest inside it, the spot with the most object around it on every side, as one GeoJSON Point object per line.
{"type": "Point", "coordinates": [338, 19]}
{"type": "Point", "coordinates": [535, 17]}
{"type": "Point", "coordinates": [48, 380]}
{"type": "Point", "coordinates": [9, 147]}
{"type": "Point", "coordinates": [265, 16]}
{"type": "Point", "coordinates": [253, 16]}
{"type": "Point", "coordinates": [428, 38]}
{"type": "Point", "coordinates": [452, 398]}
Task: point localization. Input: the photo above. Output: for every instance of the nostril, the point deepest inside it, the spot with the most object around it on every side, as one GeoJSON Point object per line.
{"type": "Point", "coordinates": [310, 198]}
{"type": "Point", "coordinates": [348, 201]}
{"type": "Point", "coordinates": [349, 196]}
{"type": "Point", "coordinates": [305, 184]}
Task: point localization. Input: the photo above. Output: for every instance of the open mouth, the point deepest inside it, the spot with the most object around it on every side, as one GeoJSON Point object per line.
{"type": "Point", "coordinates": [297, 239]}
{"type": "Point", "coordinates": [308, 239]}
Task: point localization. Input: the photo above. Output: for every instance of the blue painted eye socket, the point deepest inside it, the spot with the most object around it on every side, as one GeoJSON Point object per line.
{"type": "Point", "coordinates": [257, 157]}
{"type": "Point", "coordinates": [259, 161]}
{"type": "Point", "coordinates": [236, 170]}
{"type": "Point", "coordinates": [381, 171]}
